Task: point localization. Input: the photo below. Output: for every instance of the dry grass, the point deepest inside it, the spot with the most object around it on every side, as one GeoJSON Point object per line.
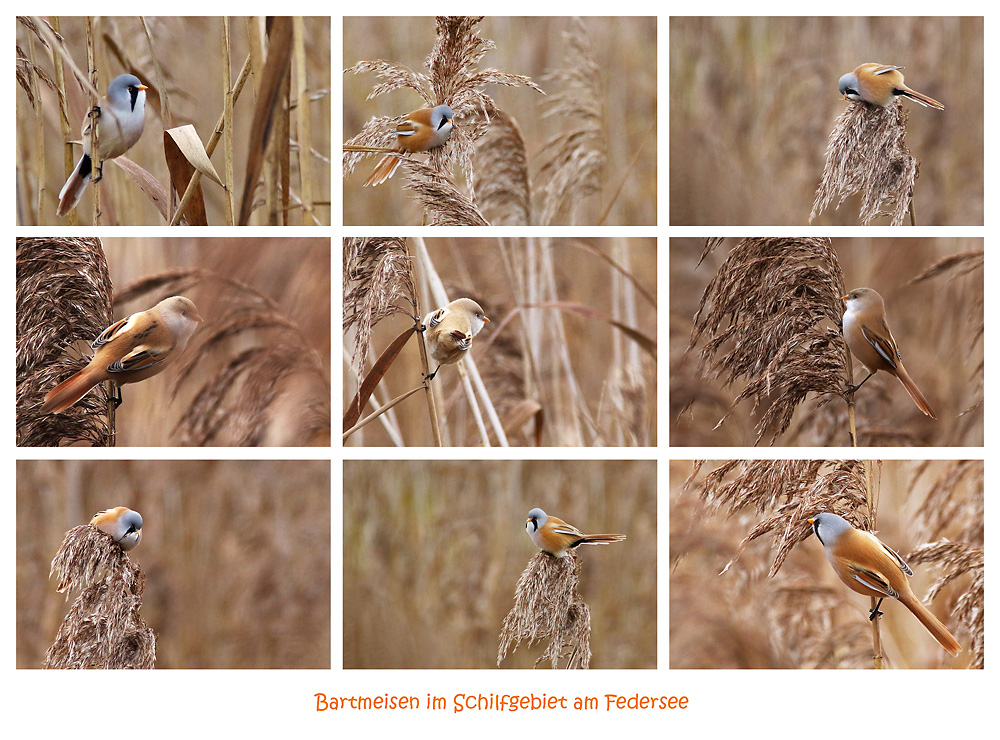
{"type": "Point", "coordinates": [800, 614]}
{"type": "Point", "coordinates": [447, 539]}
{"type": "Point", "coordinates": [569, 357]}
{"type": "Point", "coordinates": [610, 179]}
{"type": "Point", "coordinates": [933, 288]}
{"type": "Point", "coordinates": [256, 372]}
{"type": "Point", "coordinates": [753, 100]}
{"type": "Point", "coordinates": [276, 150]}
{"type": "Point", "coordinates": [103, 629]}
{"type": "Point", "coordinates": [236, 556]}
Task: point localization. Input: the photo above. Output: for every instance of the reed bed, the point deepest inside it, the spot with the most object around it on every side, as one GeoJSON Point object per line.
{"type": "Point", "coordinates": [433, 550]}
{"type": "Point", "coordinates": [734, 384]}
{"type": "Point", "coordinates": [753, 101]}
{"type": "Point", "coordinates": [267, 131]}
{"type": "Point", "coordinates": [569, 157]}
{"type": "Point", "coordinates": [569, 357]}
{"type": "Point", "coordinates": [236, 555]}
{"type": "Point", "coordinates": [750, 587]}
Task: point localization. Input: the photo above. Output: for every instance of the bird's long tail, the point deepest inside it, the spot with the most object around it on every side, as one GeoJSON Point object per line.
{"type": "Point", "coordinates": [600, 539]}
{"type": "Point", "coordinates": [915, 394]}
{"type": "Point", "coordinates": [924, 100]}
{"type": "Point", "coordinates": [932, 623]}
{"type": "Point", "coordinates": [68, 392]}
{"type": "Point", "coordinates": [385, 169]}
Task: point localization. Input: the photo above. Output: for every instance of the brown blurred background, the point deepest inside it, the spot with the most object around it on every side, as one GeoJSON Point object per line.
{"type": "Point", "coordinates": [805, 617]}
{"type": "Point", "coordinates": [935, 323]}
{"type": "Point", "coordinates": [593, 384]}
{"type": "Point", "coordinates": [184, 68]}
{"type": "Point", "coordinates": [292, 272]}
{"type": "Point", "coordinates": [624, 49]}
{"type": "Point", "coordinates": [753, 101]}
{"type": "Point", "coordinates": [236, 555]}
{"type": "Point", "coordinates": [433, 550]}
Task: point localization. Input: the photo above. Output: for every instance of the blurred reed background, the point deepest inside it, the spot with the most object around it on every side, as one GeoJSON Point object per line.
{"type": "Point", "coordinates": [624, 53]}
{"type": "Point", "coordinates": [267, 369]}
{"type": "Point", "coordinates": [549, 346]}
{"type": "Point", "coordinates": [805, 617]}
{"type": "Point", "coordinates": [937, 322]}
{"type": "Point", "coordinates": [753, 101]}
{"type": "Point", "coordinates": [236, 555]}
{"type": "Point", "coordinates": [182, 61]}
{"type": "Point", "coordinates": [433, 550]}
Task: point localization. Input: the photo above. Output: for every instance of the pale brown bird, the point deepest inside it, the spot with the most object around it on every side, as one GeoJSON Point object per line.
{"type": "Point", "coordinates": [869, 339]}
{"type": "Point", "coordinates": [449, 331]}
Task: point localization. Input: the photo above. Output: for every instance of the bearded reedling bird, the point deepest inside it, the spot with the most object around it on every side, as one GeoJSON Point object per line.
{"type": "Point", "coordinates": [448, 331]}
{"type": "Point", "coordinates": [867, 566]}
{"type": "Point", "coordinates": [123, 524]}
{"type": "Point", "coordinates": [122, 115]}
{"type": "Point", "coordinates": [135, 348]}
{"type": "Point", "coordinates": [418, 131]}
{"type": "Point", "coordinates": [881, 84]}
{"type": "Point", "coordinates": [556, 537]}
{"type": "Point", "coordinates": [869, 339]}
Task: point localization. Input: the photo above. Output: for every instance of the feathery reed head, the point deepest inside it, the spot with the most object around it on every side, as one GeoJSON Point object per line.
{"type": "Point", "coordinates": [103, 628]}
{"type": "Point", "coordinates": [63, 295]}
{"type": "Point", "coordinates": [770, 316]}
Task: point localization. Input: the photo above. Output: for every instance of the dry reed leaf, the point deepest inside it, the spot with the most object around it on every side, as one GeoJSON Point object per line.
{"type": "Point", "coordinates": [867, 154]}
{"type": "Point", "coordinates": [273, 79]}
{"type": "Point", "coordinates": [763, 314]}
{"type": "Point", "coordinates": [103, 628]}
{"type": "Point", "coordinates": [189, 145]}
{"type": "Point", "coordinates": [648, 344]}
{"type": "Point", "coordinates": [548, 605]}
{"type": "Point", "coordinates": [148, 184]}
{"type": "Point", "coordinates": [181, 173]}
{"type": "Point", "coordinates": [374, 377]}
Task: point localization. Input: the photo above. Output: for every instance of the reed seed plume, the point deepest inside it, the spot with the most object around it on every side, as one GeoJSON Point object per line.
{"type": "Point", "coordinates": [575, 158]}
{"type": "Point", "coordinates": [968, 264]}
{"type": "Point", "coordinates": [103, 628]}
{"type": "Point", "coordinates": [455, 79]}
{"type": "Point", "coordinates": [867, 154]}
{"type": "Point", "coordinates": [63, 296]}
{"type": "Point", "coordinates": [789, 492]}
{"type": "Point", "coordinates": [442, 201]}
{"type": "Point", "coordinates": [548, 605]}
{"type": "Point", "coordinates": [769, 317]}
{"type": "Point", "coordinates": [503, 185]}
{"type": "Point", "coordinates": [954, 560]}
{"type": "Point", "coordinates": [378, 283]}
